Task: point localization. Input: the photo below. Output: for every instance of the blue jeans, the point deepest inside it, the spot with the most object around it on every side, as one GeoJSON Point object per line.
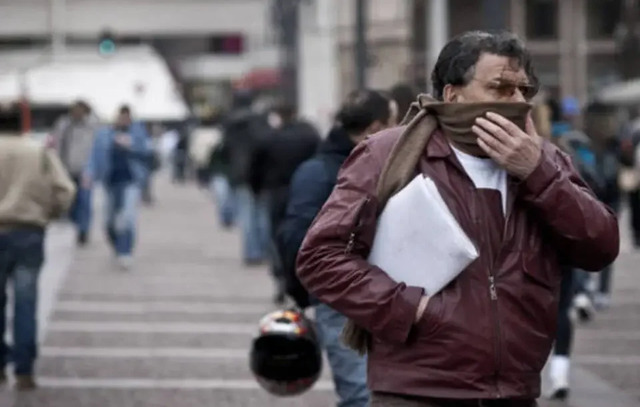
{"type": "Point", "coordinates": [223, 194]}
{"type": "Point", "coordinates": [122, 208]}
{"type": "Point", "coordinates": [21, 258]}
{"type": "Point", "coordinates": [254, 220]}
{"type": "Point", "coordinates": [349, 369]}
{"type": "Point", "coordinates": [81, 210]}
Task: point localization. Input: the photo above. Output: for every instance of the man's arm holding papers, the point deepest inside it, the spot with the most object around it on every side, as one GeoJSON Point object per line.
{"type": "Point", "coordinates": [332, 260]}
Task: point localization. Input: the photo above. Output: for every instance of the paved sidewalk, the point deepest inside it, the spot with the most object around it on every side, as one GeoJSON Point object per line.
{"type": "Point", "coordinates": [175, 330]}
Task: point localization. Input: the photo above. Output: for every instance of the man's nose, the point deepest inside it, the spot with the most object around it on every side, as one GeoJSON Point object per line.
{"type": "Point", "coordinates": [518, 96]}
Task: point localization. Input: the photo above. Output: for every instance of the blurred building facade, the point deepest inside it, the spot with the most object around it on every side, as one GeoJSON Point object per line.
{"type": "Point", "coordinates": [207, 44]}
{"type": "Point", "coordinates": [572, 41]}
{"type": "Point", "coordinates": [212, 44]}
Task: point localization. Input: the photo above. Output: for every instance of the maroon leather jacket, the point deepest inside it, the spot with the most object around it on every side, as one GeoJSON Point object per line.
{"type": "Point", "coordinates": [489, 332]}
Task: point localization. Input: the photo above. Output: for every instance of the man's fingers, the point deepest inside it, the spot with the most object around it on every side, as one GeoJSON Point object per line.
{"type": "Point", "coordinates": [509, 126]}
{"type": "Point", "coordinates": [495, 130]}
{"type": "Point", "coordinates": [490, 140]}
{"type": "Point", "coordinates": [488, 150]}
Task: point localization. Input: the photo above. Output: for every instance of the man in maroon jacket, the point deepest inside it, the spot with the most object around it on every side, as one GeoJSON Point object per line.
{"type": "Point", "coordinates": [484, 338]}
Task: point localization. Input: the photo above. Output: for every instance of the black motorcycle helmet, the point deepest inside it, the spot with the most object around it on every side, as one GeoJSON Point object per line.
{"type": "Point", "coordinates": [285, 356]}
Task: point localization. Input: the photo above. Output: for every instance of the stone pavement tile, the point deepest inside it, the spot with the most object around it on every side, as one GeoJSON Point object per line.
{"type": "Point", "coordinates": [158, 317]}
{"type": "Point", "coordinates": [55, 397]}
{"type": "Point", "coordinates": [174, 368]}
{"type": "Point", "coordinates": [626, 377]}
{"type": "Point", "coordinates": [181, 340]}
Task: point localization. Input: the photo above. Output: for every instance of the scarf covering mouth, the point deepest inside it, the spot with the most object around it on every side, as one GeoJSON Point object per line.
{"type": "Point", "coordinates": [456, 119]}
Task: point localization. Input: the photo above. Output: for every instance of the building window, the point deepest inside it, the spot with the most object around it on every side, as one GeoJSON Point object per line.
{"type": "Point", "coordinates": [602, 18]}
{"type": "Point", "coordinates": [542, 19]}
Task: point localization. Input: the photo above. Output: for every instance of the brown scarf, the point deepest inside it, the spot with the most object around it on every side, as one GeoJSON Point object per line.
{"type": "Point", "coordinates": [424, 116]}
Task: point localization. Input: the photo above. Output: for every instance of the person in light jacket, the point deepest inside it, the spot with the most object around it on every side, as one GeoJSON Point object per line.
{"type": "Point", "coordinates": [35, 189]}
{"type": "Point", "coordinates": [120, 161]}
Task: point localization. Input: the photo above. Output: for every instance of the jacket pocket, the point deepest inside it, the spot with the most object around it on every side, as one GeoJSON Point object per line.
{"type": "Point", "coordinates": [538, 269]}
{"type": "Point", "coordinates": [430, 321]}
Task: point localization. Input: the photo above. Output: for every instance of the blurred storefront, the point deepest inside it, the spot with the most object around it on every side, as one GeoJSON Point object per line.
{"type": "Point", "coordinates": [206, 44]}
{"type": "Point", "coordinates": [572, 40]}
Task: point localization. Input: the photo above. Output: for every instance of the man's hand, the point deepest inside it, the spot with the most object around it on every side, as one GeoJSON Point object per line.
{"type": "Point", "coordinates": [516, 151]}
{"type": "Point", "coordinates": [422, 305]}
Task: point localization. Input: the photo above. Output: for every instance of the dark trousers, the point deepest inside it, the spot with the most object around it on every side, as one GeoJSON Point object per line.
{"type": "Point", "coordinates": [389, 400]}
{"type": "Point", "coordinates": [277, 199]}
{"type": "Point", "coordinates": [634, 205]}
{"type": "Point", "coordinates": [564, 335]}
{"type": "Point", "coordinates": [21, 258]}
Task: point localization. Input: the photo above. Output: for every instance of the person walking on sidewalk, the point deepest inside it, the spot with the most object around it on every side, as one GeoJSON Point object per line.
{"type": "Point", "coordinates": [73, 137]}
{"type": "Point", "coordinates": [363, 113]}
{"type": "Point", "coordinates": [120, 161]}
{"type": "Point", "coordinates": [484, 338]}
{"type": "Point", "coordinates": [34, 189]}
{"type": "Point", "coordinates": [275, 160]}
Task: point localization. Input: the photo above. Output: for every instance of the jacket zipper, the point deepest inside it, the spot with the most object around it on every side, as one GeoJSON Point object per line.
{"type": "Point", "coordinates": [356, 228]}
{"type": "Point", "coordinates": [493, 293]}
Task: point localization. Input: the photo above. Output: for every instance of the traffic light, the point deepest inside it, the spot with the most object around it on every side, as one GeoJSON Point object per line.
{"type": "Point", "coordinates": [106, 44]}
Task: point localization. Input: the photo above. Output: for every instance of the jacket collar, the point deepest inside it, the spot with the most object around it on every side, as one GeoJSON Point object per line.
{"type": "Point", "coordinates": [438, 146]}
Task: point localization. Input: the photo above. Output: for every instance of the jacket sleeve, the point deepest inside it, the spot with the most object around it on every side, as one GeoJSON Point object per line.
{"type": "Point", "coordinates": [309, 190]}
{"type": "Point", "coordinates": [62, 187]}
{"type": "Point", "coordinates": [332, 262]}
{"type": "Point", "coordinates": [584, 229]}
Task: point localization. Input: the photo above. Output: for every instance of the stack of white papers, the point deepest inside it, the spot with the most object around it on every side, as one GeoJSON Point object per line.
{"type": "Point", "coordinates": [418, 241]}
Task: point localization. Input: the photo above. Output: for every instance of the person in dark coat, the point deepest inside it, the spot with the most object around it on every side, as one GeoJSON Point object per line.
{"type": "Point", "coordinates": [243, 132]}
{"type": "Point", "coordinates": [276, 159]}
{"type": "Point", "coordinates": [363, 113]}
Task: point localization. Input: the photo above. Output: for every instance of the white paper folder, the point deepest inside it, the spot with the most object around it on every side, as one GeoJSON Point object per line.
{"type": "Point", "coordinates": [418, 241]}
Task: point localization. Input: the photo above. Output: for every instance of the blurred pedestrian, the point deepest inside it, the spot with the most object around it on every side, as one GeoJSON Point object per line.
{"type": "Point", "coordinates": [403, 95]}
{"type": "Point", "coordinates": [485, 337]}
{"type": "Point", "coordinates": [275, 160]}
{"type": "Point", "coordinates": [155, 162]}
{"type": "Point", "coordinates": [595, 157]}
{"type": "Point", "coordinates": [223, 194]}
{"type": "Point", "coordinates": [35, 188]}
{"type": "Point", "coordinates": [120, 161]}
{"type": "Point", "coordinates": [630, 172]}
{"type": "Point", "coordinates": [243, 132]}
{"type": "Point", "coordinates": [362, 114]}
{"type": "Point", "coordinates": [204, 139]}
{"type": "Point", "coordinates": [73, 136]}
{"type": "Point", "coordinates": [180, 157]}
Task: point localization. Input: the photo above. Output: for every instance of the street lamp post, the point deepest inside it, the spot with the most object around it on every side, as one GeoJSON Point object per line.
{"type": "Point", "coordinates": [287, 20]}
{"type": "Point", "coordinates": [628, 41]}
{"type": "Point", "coordinates": [361, 53]}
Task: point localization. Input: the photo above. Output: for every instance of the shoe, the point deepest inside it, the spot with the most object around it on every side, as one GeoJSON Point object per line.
{"type": "Point", "coordinates": [559, 377]}
{"type": "Point", "coordinates": [25, 383]}
{"type": "Point", "coordinates": [125, 263]}
{"type": "Point", "coordinates": [83, 239]}
{"type": "Point", "coordinates": [584, 307]}
{"type": "Point", "coordinates": [254, 262]}
{"type": "Point", "coordinates": [559, 394]}
{"type": "Point", "coordinates": [602, 301]}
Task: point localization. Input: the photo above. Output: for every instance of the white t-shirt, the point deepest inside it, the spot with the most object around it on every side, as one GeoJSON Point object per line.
{"type": "Point", "coordinates": [485, 173]}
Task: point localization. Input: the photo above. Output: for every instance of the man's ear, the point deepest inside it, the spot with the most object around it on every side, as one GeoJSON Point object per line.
{"type": "Point", "coordinates": [449, 93]}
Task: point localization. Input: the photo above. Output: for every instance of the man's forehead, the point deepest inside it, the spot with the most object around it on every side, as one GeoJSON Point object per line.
{"type": "Point", "coordinates": [490, 66]}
